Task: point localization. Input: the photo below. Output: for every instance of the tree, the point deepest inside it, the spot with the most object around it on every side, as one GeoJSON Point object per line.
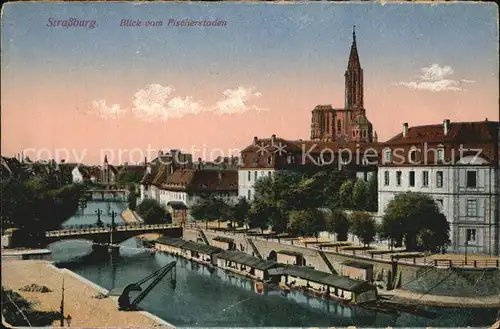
{"type": "Point", "coordinates": [132, 197]}
{"type": "Point", "coordinates": [360, 195]}
{"type": "Point", "coordinates": [328, 190]}
{"type": "Point", "coordinates": [415, 220]}
{"type": "Point", "coordinates": [372, 194]}
{"type": "Point", "coordinates": [207, 209]}
{"type": "Point", "coordinates": [307, 222]}
{"type": "Point", "coordinates": [345, 194]}
{"type": "Point", "coordinates": [240, 211]}
{"type": "Point", "coordinates": [363, 226]}
{"type": "Point", "coordinates": [152, 211]}
{"type": "Point", "coordinates": [337, 222]}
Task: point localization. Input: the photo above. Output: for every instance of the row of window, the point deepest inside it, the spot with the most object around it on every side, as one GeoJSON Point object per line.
{"type": "Point", "coordinates": [471, 178]}
{"type": "Point", "coordinates": [412, 154]}
{"type": "Point", "coordinates": [472, 209]}
{"type": "Point", "coordinates": [255, 176]}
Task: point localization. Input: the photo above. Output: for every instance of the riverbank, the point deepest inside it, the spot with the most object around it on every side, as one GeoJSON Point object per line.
{"type": "Point", "coordinates": [129, 217]}
{"type": "Point", "coordinates": [79, 296]}
{"type": "Point", "coordinates": [408, 297]}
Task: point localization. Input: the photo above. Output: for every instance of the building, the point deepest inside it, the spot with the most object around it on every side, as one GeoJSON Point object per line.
{"type": "Point", "coordinates": [457, 163]}
{"type": "Point", "coordinates": [244, 264]}
{"type": "Point", "coordinates": [178, 212]}
{"type": "Point", "coordinates": [76, 175]}
{"type": "Point", "coordinates": [224, 243]}
{"type": "Point", "coordinates": [159, 169]}
{"type": "Point", "coordinates": [341, 138]}
{"type": "Point", "coordinates": [290, 257]}
{"type": "Point", "coordinates": [108, 173]}
{"type": "Point", "coordinates": [349, 123]}
{"type": "Point", "coordinates": [358, 270]}
{"type": "Point", "coordinates": [267, 156]}
{"type": "Point", "coordinates": [176, 183]}
{"type": "Point", "coordinates": [330, 285]}
{"type": "Point", "coordinates": [198, 252]}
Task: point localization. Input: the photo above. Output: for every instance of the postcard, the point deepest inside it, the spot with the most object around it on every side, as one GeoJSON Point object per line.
{"type": "Point", "coordinates": [250, 164]}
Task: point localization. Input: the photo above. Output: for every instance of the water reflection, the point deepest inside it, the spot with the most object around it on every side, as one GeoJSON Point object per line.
{"type": "Point", "coordinates": [88, 215]}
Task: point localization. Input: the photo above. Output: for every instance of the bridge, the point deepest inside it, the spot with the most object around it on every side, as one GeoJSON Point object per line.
{"type": "Point", "coordinates": [106, 195]}
{"type": "Point", "coordinates": [102, 236]}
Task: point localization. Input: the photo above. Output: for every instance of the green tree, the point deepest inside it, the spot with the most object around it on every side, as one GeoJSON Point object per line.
{"type": "Point", "coordinates": [132, 197]}
{"type": "Point", "coordinates": [152, 211]}
{"type": "Point", "coordinates": [337, 222]}
{"type": "Point", "coordinates": [415, 220]}
{"type": "Point", "coordinates": [240, 211]}
{"type": "Point", "coordinates": [207, 209]}
{"type": "Point", "coordinates": [307, 222]}
{"type": "Point", "coordinates": [345, 194]}
{"type": "Point", "coordinates": [372, 193]}
{"type": "Point", "coordinates": [360, 195]}
{"type": "Point", "coordinates": [363, 226]}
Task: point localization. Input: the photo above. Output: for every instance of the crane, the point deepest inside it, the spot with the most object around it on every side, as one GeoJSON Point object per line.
{"type": "Point", "coordinates": [124, 303]}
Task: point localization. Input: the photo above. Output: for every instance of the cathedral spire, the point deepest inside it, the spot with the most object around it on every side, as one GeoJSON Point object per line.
{"type": "Point", "coordinates": [353, 56]}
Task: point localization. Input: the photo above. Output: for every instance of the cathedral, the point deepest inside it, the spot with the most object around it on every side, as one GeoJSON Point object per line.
{"type": "Point", "coordinates": [349, 124]}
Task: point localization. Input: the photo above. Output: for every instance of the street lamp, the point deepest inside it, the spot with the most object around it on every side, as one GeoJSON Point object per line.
{"type": "Point", "coordinates": [99, 222]}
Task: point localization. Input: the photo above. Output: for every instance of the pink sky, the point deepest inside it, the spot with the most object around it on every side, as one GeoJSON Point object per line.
{"type": "Point", "coordinates": [421, 65]}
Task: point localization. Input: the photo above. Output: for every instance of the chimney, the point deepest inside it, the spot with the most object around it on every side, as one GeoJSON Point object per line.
{"type": "Point", "coordinates": [255, 140]}
{"type": "Point", "coordinates": [405, 129]}
{"type": "Point", "coordinates": [200, 165]}
{"type": "Point", "coordinates": [273, 139]}
{"type": "Point", "coordinates": [375, 137]}
{"type": "Point", "coordinates": [446, 125]}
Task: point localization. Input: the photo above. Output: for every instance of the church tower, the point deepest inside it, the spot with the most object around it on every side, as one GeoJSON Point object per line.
{"type": "Point", "coordinates": [354, 78]}
{"type": "Point", "coordinates": [348, 124]}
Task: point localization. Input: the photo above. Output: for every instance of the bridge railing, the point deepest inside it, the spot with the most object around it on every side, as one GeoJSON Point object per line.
{"type": "Point", "coordinates": [82, 229]}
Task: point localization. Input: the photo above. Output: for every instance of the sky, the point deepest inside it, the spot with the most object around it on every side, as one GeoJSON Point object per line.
{"type": "Point", "coordinates": [79, 92]}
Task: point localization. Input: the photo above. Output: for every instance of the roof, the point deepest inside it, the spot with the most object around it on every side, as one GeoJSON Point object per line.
{"type": "Point", "coordinates": [223, 239]}
{"type": "Point", "coordinates": [188, 245]}
{"type": "Point", "coordinates": [245, 259]}
{"type": "Point", "coordinates": [202, 180]}
{"type": "Point", "coordinates": [357, 264]}
{"type": "Point", "coordinates": [341, 282]}
{"type": "Point", "coordinates": [291, 253]}
{"type": "Point", "coordinates": [480, 131]}
{"type": "Point", "coordinates": [174, 242]}
{"type": "Point", "coordinates": [177, 205]}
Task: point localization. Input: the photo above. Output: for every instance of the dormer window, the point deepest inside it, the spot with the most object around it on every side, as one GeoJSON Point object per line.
{"type": "Point", "coordinates": [269, 160]}
{"type": "Point", "coordinates": [440, 154]}
{"type": "Point", "coordinates": [413, 155]}
{"type": "Point", "coordinates": [387, 155]}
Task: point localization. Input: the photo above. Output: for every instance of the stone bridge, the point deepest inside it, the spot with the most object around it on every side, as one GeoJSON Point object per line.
{"type": "Point", "coordinates": [106, 195]}
{"type": "Point", "coordinates": [102, 235]}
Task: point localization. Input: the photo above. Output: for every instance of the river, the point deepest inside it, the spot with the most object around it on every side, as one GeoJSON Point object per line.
{"type": "Point", "coordinates": [215, 299]}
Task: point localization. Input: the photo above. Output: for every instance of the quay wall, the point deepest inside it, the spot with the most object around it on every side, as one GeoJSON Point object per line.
{"type": "Point", "coordinates": [454, 282]}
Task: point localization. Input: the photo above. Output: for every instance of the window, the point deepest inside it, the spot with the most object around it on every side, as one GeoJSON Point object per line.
{"type": "Point", "coordinates": [387, 155]}
{"type": "Point", "coordinates": [254, 175]}
{"type": "Point", "coordinates": [439, 179]}
{"type": "Point", "coordinates": [471, 235]}
{"type": "Point", "coordinates": [386, 178]}
{"type": "Point", "coordinates": [249, 176]}
{"type": "Point", "coordinates": [249, 195]}
{"type": "Point", "coordinates": [412, 178]}
{"type": "Point", "coordinates": [471, 208]}
{"type": "Point", "coordinates": [440, 155]}
{"type": "Point", "coordinates": [471, 178]}
{"type": "Point", "coordinates": [413, 155]}
{"type": "Point", "coordinates": [290, 159]}
{"type": "Point", "coordinates": [398, 178]}
{"type": "Point", "coordinates": [269, 160]}
{"type": "Point", "coordinates": [425, 178]}
{"type": "Point", "coordinates": [339, 127]}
